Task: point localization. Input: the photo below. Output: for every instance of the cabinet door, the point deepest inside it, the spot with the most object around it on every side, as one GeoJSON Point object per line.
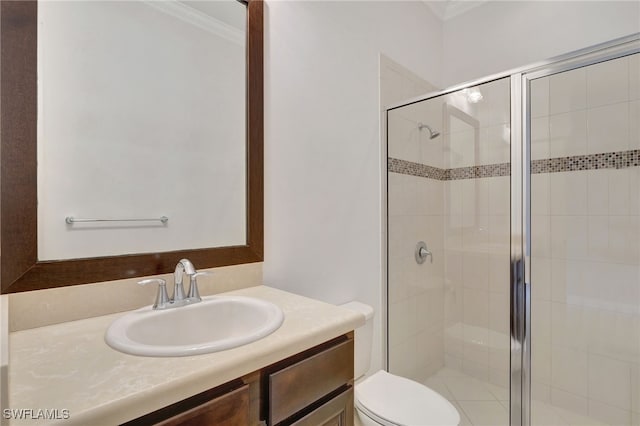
{"type": "Point", "coordinates": [231, 409]}
{"type": "Point", "coordinates": [338, 411]}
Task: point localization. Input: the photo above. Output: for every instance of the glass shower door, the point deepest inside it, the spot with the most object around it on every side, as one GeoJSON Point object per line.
{"type": "Point", "coordinates": [448, 186]}
{"type": "Point", "coordinates": [585, 245]}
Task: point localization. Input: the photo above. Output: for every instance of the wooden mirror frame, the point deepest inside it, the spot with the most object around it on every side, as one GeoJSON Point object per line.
{"type": "Point", "coordinates": [20, 269]}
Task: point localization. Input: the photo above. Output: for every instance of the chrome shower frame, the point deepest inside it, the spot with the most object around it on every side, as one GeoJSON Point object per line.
{"type": "Point", "coordinates": [520, 259]}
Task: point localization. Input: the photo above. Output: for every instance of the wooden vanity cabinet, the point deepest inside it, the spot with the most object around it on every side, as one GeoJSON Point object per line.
{"type": "Point", "coordinates": [337, 411]}
{"type": "Point", "coordinates": [312, 388]}
{"type": "Point", "coordinates": [297, 385]}
{"type": "Point", "coordinates": [230, 409]}
{"type": "Point", "coordinates": [225, 405]}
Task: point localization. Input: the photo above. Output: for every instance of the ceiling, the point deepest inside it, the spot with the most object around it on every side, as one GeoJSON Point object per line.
{"type": "Point", "coordinates": [447, 9]}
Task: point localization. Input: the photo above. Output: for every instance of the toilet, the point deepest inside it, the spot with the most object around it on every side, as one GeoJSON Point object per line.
{"type": "Point", "coordinates": [389, 400]}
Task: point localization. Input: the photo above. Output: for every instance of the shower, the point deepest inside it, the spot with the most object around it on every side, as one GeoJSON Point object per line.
{"type": "Point", "coordinates": [432, 133]}
{"type": "Point", "coordinates": [515, 321]}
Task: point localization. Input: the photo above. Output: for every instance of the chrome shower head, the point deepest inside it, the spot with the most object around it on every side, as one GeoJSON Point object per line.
{"type": "Point", "coordinates": [432, 133]}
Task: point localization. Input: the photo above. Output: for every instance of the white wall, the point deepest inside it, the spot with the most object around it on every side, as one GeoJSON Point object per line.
{"type": "Point", "coordinates": [322, 140]}
{"type": "Point", "coordinates": [501, 35]}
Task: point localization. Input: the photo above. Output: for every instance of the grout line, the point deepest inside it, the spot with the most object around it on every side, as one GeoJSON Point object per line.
{"type": "Point", "coordinates": [464, 412]}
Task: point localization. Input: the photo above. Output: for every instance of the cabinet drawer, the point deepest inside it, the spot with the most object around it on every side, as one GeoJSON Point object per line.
{"type": "Point", "coordinates": [303, 383]}
{"type": "Point", "coordinates": [231, 409]}
{"type": "Point", "coordinates": [338, 411]}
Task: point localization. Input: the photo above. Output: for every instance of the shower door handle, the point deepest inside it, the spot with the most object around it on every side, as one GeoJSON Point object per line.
{"type": "Point", "coordinates": [422, 252]}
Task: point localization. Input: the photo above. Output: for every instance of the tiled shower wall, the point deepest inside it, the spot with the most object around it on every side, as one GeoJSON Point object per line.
{"type": "Point", "coordinates": [477, 278]}
{"type": "Point", "coordinates": [586, 242]}
{"type": "Point", "coordinates": [415, 298]}
{"type": "Point", "coordinates": [416, 295]}
{"type": "Point", "coordinates": [453, 311]}
{"type": "Point", "coordinates": [477, 229]}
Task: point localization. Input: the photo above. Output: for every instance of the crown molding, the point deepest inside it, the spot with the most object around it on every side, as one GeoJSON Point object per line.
{"type": "Point", "coordinates": [447, 9]}
{"type": "Point", "coordinates": [198, 19]}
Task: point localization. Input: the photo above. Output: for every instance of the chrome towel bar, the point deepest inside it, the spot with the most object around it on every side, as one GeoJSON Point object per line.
{"type": "Point", "coordinates": [71, 220]}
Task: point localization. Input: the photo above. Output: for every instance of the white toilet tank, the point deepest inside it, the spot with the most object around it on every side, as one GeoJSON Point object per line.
{"type": "Point", "coordinates": [363, 338]}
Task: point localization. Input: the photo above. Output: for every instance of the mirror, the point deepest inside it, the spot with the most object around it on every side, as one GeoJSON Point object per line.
{"type": "Point", "coordinates": [135, 128]}
{"type": "Point", "coordinates": [141, 136]}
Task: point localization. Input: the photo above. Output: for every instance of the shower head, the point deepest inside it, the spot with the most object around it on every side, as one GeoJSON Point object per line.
{"type": "Point", "coordinates": [432, 133]}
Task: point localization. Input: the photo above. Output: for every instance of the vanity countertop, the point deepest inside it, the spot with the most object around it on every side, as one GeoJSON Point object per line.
{"type": "Point", "coordinates": [69, 366]}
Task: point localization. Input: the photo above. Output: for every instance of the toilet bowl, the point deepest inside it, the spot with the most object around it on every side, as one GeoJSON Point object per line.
{"type": "Point", "coordinates": [385, 399]}
{"type": "Point", "coordinates": [389, 400]}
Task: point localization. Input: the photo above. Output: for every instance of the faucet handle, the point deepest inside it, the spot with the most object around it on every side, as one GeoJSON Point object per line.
{"type": "Point", "coordinates": [194, 295]}
{"type": "Point", "coordinates": [162, 298]}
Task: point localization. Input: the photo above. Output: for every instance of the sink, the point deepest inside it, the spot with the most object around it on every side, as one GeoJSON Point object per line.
{"type": "Point", "coordinates": [215, 324]}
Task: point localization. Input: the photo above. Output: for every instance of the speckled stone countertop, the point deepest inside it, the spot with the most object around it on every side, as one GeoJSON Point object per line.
{"type": "Point", "coordinates": [69, 366]}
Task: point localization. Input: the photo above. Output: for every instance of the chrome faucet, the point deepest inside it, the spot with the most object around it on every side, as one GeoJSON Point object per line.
{"type": "Point", "coordinates": [179, 299]}
{"type": "Point", "coordinates": [183, 266]}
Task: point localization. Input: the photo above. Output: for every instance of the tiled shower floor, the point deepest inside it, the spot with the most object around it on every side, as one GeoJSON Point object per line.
{"type": "Point", "coordinates": [484, 404]}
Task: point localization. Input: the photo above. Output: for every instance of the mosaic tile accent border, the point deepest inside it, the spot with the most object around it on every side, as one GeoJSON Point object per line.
{"type": "Point", "coordinates": [415, 169]}
{"type": "Point", "coordinates": [490, 170]}
{"type": "Point", "coordinates": [607, 160]}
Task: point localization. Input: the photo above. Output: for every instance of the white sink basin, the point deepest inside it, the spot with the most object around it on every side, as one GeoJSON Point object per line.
{"type": "Point", "coordinates": [215, 324]}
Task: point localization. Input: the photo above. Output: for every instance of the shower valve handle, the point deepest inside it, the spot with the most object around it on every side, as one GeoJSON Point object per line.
{"type": "Point", "coordinates": [422, 252]}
